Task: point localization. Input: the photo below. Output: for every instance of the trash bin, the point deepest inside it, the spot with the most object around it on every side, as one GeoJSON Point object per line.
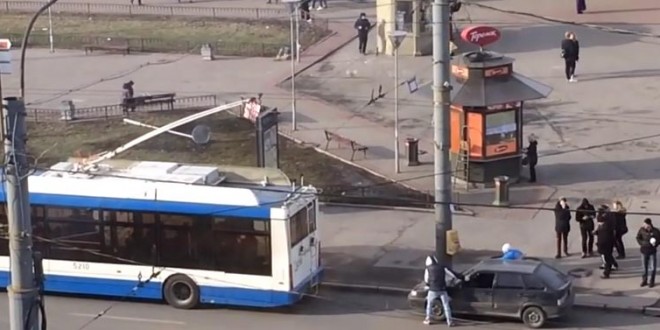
{"type": "Point", "coordinates": [412, 147]}
{"type": "Point", "coordinates": [501, 191]}
{"type": "Point", "coordinates": [68, 110]}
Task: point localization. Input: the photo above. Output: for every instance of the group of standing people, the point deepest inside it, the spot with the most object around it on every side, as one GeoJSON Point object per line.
{"type": "Point", "coordinates": [607, 227]}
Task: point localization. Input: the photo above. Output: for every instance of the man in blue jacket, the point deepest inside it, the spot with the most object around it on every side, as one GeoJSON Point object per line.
{"type": "Point", "coordinates": [509, 253]}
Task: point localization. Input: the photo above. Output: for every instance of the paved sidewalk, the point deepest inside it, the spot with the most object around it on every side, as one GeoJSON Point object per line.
{"type": "Point", "coordinates": [384, 249]}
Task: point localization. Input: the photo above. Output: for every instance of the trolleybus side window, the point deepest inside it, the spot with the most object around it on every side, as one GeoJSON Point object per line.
{"type": "Point", "coordinates": [77, 233]}
{"type": "Point", "coordinates": [302, 224]}
{"type": "Point", "coordinates": [299, 226]}
{"type": "Point", "coordinates": [132, 235]}
{"type": "Point", "coordinates": [311, 217]}
{"type": "Point", "coordinates": [226, 244]}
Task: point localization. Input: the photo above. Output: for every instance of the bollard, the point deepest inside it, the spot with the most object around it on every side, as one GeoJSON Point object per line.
{"type": "Point", "coordinates": [501, 191]}
{"type": "Point", "coordinates": [412, 147]}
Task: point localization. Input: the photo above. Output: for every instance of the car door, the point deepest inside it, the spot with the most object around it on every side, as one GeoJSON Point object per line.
{"type": "Point", "coordinates": [508, 293]}
{"type": "Point", "coordinates": [477, 292]}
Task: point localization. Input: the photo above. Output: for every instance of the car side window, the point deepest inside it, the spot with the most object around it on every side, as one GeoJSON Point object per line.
{"type": "Point", "coordinates": [533, 283]}
{"type": "Point", "coordinates": [481, 280]}
{"type": "Point", "coordinates": [511, 281]}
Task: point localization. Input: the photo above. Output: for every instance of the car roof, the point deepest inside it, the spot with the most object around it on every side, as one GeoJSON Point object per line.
{"type": "Point", "coordinates": [525, 266]}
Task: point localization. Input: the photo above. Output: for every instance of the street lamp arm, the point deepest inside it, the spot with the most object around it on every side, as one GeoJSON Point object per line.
{"type": "Point", "coordinates": [26, 36]}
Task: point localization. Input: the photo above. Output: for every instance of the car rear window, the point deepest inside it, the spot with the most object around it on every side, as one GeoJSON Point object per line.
{"type": "Point", "coordinates": [552, 277]}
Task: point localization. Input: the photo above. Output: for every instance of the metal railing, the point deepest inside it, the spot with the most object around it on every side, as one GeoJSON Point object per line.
{"type": "Point", "coordinates": [116, 110]}
{"type": "Point", "coordinates": [157, 11]}
{"type": "Point", "coordinates": [130, 10]}
{"type": "Point", "coordinates": [225, 48]}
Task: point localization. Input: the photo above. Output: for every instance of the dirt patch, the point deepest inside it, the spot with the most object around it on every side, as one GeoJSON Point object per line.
{"type": "Point", "coordinates": [232, 143]}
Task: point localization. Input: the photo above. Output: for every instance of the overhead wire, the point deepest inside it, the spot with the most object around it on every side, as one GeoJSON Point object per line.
{"type": "Point", "coordinates": [385, 200]}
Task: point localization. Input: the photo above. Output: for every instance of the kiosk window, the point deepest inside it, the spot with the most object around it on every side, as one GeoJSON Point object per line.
{"type": "Point", "coordinates": [501, 133]}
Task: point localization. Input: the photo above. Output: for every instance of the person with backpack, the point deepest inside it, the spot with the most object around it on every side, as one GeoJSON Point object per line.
{"type": "Point", "coordinates": [435, 279]}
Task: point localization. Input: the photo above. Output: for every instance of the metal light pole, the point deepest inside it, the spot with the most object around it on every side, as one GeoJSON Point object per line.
{"type": "Point", "coordinates": [26, 37]}
{"type": "Point", "coordinates": [396, 37]}
{"type": "Point", "coordinates": [297, 13]}
{"type": "Point", "coordinates": [441, 101]}
{"type": "Point", "coordinates": [293, 8]}
{"type": "Point", "coordinates": [50, 31]}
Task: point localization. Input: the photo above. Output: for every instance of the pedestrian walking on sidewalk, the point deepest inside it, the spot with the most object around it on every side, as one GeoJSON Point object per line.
{"type": "Point", "coordinates": [581, 6]}
{"type": "Point", "coordinates": [322, 4]}
{"type": "Point", "coordinates": [434, 277]}
{"type": "Point", "coordinates": [620, 228]}
{"type": "Point", "coordinates": [570, 52]}
{"type": "Point", "coordinates": [648, 238]}
{"type": "Point", "coordinates": [585, 215]}
{"type": "Point", "coordinates": [562, 226]}
{"type": "Point", "coordinates": [362, 25]}
{"type": "Point", "coordinates": [605, 240]}
{"type": "Point", "coordinates": [532, 157]}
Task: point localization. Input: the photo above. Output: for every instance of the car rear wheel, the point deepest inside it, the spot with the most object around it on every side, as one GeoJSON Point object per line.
{"type": "Point", "coordinates": [533, 317]}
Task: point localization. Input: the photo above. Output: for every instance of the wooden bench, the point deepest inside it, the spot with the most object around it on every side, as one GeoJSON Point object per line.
{"type": "Point", "coordinates": [162, 99]}
{"type": "Point", "coordinates": [329, 137]}
{"type": "Point", "coordinates": [111, 45]}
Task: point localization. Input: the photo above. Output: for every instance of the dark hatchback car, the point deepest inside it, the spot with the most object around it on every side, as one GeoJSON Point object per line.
{"type": "Point", "coordinates": [529, 290]}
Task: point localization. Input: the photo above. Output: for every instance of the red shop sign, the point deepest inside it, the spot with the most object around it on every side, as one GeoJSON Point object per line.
{"type": "Point", "coordinates": [481, 35]}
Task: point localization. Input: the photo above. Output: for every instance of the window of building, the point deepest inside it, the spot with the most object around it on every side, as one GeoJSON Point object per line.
{"type": "Point", "coordinates": [404, 16]}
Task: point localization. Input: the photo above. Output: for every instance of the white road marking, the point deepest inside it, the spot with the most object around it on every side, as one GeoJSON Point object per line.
{"type": "Point", "coordinates": [129, 319]}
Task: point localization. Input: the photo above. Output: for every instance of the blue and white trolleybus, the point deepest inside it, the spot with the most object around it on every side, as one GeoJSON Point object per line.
{"type": "Point", "coordinates": [233, 236]}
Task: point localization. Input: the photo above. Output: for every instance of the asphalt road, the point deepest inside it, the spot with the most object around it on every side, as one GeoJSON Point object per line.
{"type": "Point", "coordinates": [330, 310]}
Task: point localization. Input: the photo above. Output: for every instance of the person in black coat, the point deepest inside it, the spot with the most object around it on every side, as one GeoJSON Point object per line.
{"type": "Point", "coordinates": [648, 238]}
{"type": "Point", "coordinates": [562, 226]}
{"type": "Point", "coordinates": [620, 229]}
{"type": "Point", "coordinates": [585, 215]}
{"type": "Point", "coordinates": [362, 25]}
{"type": "Point", "coordinates": [532, 157]}
{"type": "Point", "coordinates": [581, 6]}
{"type": "Point", "coordinates": [605, 240]}
{"type": "Point", "coordinates": [570, 52]}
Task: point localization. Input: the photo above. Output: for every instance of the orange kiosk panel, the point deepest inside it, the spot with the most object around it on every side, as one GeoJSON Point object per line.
{"type": "Point", "coordinates": [455, 122]}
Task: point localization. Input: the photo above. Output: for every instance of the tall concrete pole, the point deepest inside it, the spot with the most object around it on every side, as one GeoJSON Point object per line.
{"type": "Point", "coordinates": [23, 290]}
{"type": "Point", "coordinates": [397, 166]}
{"type": "Point", "coordinates": [294, 53]}
{"type": "Point", "coordinates": [441, 101]}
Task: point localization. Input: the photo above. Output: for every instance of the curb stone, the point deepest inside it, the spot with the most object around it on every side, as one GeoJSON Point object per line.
{"type": "Point", "coordinates": [648, 310]}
